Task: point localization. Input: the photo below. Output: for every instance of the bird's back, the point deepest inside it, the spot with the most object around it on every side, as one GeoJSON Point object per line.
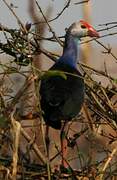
{"type": "Point", "coordinates": [61, 99]}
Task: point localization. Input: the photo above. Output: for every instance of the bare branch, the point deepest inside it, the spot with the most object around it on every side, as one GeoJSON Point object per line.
{"type": "Point", "coordinates": [59, 14]}
{"type": "Point", "coordinates": [81, 2]}
{"type": "Point", "coordinates": [18, 20]}
{"type": "Point", "coordinates": [108, 49]}
{"type": "Point", "coordinates": [50, 28]}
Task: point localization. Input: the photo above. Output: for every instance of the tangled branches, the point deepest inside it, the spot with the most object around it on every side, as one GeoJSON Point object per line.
{"type": "Point", "coordinates": [92, 146]}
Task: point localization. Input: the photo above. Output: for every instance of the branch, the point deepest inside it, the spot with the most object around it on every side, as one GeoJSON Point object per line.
{"type": "Point", "coordinates": [16, 128]}
{"type": "Point", "coordinates": [107, 163]}
{"type": "Point", "coordinates": [108, 49]}
{"type": "Point", "coordinates": [106, 24]}
{"type": "Point", "coordinates": [18, 20]}
{"type": "Point", "coordinates": [50, 28]}
{"type": "Point", "coordinates": [34, 146]}
{"type": "Point", "coordinates": [59, 14]}
{"type": "Point", "coordinates": [81, 2]}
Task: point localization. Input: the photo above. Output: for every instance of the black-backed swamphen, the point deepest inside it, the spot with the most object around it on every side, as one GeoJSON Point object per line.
{"type": "Point", "coordinates": [62, 99]}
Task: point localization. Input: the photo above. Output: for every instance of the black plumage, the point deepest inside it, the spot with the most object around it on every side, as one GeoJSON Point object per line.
{"type": "Point", "coordinates": [62, 99]}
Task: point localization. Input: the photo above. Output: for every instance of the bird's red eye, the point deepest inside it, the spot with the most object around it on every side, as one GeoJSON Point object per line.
{"type": "Point", "coordinates": [83, 26]}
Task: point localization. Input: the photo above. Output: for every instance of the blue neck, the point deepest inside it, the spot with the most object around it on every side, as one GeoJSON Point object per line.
{"type": "Point", "coordinates": [70, 51]}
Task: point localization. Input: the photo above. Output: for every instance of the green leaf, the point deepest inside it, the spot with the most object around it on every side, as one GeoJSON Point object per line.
{"type": "Point", "coordinates": [54, 73]}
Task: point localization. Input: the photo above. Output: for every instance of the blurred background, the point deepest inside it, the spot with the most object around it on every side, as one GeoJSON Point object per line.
{"type": "Point", "coordinates": [96, 12]}
{"type": "Point", "coordinates": [101, 11]}
{"type": "Point", "coordinates": [94, 54]}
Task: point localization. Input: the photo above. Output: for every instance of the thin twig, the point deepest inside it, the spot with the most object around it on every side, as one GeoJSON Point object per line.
{"type": "Point", "coordinates": [34, 146]}
{"type": "Point", "coordinates": [3, 169]}
{"type": "Point", "coordinates": [108, 50]}
{"type": "Point", "coordinates": [88, 116]}
{"type": "Point", "coordinates": [59, 14]}
{"type": "Point", "coordinates": [106, 24]}
{"type": "Point", "coordinates": [21, 91]}
{"type": "Point", "coordinates": [81, 2]}
{"type": "Point", "coordinates": [50, 28]}
{"type": "Point", "coordinates": [107, 163]}
{"type": "Point", "coordinates": [18, 20]}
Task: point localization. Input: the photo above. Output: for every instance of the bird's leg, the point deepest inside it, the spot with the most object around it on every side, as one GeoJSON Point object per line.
{"type": "Point", "coordinates": [64, 144]}
{"type": "Point", "coordinates": [47, 140]}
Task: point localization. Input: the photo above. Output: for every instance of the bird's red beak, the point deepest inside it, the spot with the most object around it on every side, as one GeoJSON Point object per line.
{"type": "Point", "coordinates": [93, 33]}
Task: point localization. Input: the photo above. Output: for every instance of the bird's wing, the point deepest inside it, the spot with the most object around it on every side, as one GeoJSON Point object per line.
{"type": "Point", "coordinates": [62, 99]}
{"type": "Point", "coordinates": [63, 95]}
{"type": "Point", "coordinates": [54, 91]}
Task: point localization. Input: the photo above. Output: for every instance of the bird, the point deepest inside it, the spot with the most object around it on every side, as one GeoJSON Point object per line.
{"type": "Point", "coordinates": [62, 97]}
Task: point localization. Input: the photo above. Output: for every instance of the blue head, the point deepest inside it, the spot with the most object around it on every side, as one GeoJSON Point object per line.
{"type": "Point", "coordinates": [73, 34]}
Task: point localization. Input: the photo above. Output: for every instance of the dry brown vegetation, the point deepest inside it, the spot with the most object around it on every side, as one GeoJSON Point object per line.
{"type": "Point", "coordinates": [92, 136]}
